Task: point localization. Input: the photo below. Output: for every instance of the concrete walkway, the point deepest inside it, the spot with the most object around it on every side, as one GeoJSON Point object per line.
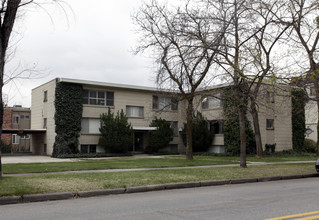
{"type": "Point", "coordinates": [32, 159]}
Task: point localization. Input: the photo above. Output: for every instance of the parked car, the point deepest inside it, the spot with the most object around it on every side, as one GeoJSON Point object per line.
{"type": "Point", "coordinates": [317, 165]}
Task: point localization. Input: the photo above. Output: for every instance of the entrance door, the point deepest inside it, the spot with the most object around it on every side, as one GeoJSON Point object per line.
{"type": "Point", "coordinates": [138, 142]}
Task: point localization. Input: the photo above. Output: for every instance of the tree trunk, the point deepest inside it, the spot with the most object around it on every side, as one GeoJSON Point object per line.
{"type": "Point", "coordinates": [318, 127]}
{"type": "Point", "coordinates": [254, 114]}
{"type": "Point", "coordinates": [2, 62]}
{"type": "Point", "coordinates": [189, 135]}
{"type": "Point", "coordinates": [242, 137]}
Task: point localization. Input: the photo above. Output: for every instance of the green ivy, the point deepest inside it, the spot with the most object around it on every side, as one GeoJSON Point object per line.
{"type": "Point", "coordinates": [298, 119]}
{"type": "Point", "coordinates": [232, 128]}
{"type": "Point", "coordinates": [68, 115]}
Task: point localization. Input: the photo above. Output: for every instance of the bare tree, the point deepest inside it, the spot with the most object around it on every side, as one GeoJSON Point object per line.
{"type": "Point", "coordinates": [184, 41]}
{"type": "Point", "coordinates": [8, 15]}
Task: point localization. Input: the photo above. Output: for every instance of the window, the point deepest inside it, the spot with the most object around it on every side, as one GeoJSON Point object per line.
{"type": "Point", "coordinates": [94, 97]}
{"type": "Point", "coordinates": [15, 119]}
{"type": "Point", "coordinates": [135, 111]}
{"type": "Point", "coordinates": [312, 91]}
{"type": "Point", "coordinates": [45, 123]}
{"type": "Point", "coordinates": [45, 96]}
{"type": "Point", "coordinates": [174, 126]}
{"type": "Point", "coordinates": [270, 124]}
{"type": "Point", "coordinates": [26, 136]}
{"type": "Point", "coordinates": [26, 117]}
{"type": "Point", "coordinates": [212, 102]}
{"type": "Point", "coordinates": [15, 139]}
{"type": "Point", "coordinates": [217, 126]}
{"type": "Point", "coordinates": [90, 125]}
{"type": "Point", "coordinates": [87, 148]}
{"type": "Point", "coordinates": [45, 148]}
{"type": "Point", "coordinates": [165, 103]}
{"type": "Point", "coordinates": [271, 97]}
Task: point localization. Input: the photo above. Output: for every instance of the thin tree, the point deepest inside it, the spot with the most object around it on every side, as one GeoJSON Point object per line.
{"type": "Point", "coordinates": [184, 41]}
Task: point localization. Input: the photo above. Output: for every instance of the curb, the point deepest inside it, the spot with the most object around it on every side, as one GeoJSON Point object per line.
{"type": "Point", "coordinates": [7, 200]}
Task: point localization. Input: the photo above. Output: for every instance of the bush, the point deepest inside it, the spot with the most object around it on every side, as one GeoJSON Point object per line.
{"type": "Point", "coordinates": [309, 146]}
{"type": "Point", "coordinates": [270, 149]}
{"type": "Point", "coordinates": [116, 132]}
{"type": "Point", "coordinates": [161, 137]}
{"type": "Point", "coordinates": [202, 135]}
{"type": "Point", "coordinates": [92, 155]}
{"type": "Point", "coordinates": [5, 148]}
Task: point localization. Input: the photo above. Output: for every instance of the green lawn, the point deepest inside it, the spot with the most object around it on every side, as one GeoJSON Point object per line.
{"type": "Point", "coordinates": [133, 162]}
{"type": "Point", "coordinates": [43, 183]}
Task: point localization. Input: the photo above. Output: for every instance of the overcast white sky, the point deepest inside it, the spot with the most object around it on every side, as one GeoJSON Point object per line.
{"type": "Point", "coordinates": [94, 43]}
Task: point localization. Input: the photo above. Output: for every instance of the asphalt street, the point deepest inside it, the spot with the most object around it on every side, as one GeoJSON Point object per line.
{"type": "Point", "coordinates": [241, 201]}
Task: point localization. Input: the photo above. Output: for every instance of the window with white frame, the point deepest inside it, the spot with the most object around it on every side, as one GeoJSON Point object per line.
{"type": "Point", "coordinates": [211, 102]}
{"type": "Point", "coordinates": [16, 119]}
{"type": "Point", "coordinates": [95, 97]}
{"type": "Point", "coordinates": [270, 124]}
{"type": "Point", "coordinates": [90, 125]}
{"type": "Point", "coordinates": [15, 139]}
{"type": "Point", "coordinates": [135, 111]}
{"type": "Point", "coordinates": [164, 103]}
{"type": "Point", "coordinates": [25, 117]}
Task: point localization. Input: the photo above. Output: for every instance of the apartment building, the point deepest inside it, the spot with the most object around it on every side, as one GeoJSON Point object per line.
{"type": "Point", "coordinates": [16, 118]}
{"type": "Point", "coordinates": [142, 105]}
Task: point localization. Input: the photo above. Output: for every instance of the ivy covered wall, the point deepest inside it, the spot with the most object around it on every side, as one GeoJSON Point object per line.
{"type": "Point", "coordinates": [68, 115]}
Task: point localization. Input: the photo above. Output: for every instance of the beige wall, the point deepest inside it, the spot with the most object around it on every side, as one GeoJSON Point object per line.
{"type": "Point", "coordinates": [41, 110]}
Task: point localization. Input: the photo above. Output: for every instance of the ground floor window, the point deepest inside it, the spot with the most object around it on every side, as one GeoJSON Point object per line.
{"type": "Point", "coordinates": [270, 124]}
{"type": "Point", "coordinates": [88, 148]}
{"type": "Point", "coordinates": [15, 139]}
{"type": "Point", "coordinates": [217, 126]}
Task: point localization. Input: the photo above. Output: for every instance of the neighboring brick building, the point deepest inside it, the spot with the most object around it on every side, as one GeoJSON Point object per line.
{"type": "Point", "coordinates": [17, 117]}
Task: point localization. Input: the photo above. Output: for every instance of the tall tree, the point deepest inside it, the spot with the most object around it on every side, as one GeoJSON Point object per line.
{"type": "Point", "coordinates": [184, 41]}
{"type": "Point", "coordinates": [8, 14]}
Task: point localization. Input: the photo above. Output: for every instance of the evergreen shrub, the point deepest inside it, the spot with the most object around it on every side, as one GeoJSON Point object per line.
{"type": "Point", "coordinates": [116, 132]}
{"type": "Point", "coordinates": [161, 137]}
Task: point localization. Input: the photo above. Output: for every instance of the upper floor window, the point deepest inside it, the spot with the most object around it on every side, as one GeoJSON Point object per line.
{"type": "Point", "coordinates": [45, 96]}
{"type": "Point", "coordinates": [270, 124]}
{"type": "Point", "coordinates": [211, 102]}
{"type": "Point", "coordinates": [94, 97]}
{"type": "Point", "coordinates": [164, 103]}
{"type": "Point", "coordinates": [135, 111]}
{"type": "Point", "coordinates": [16, 119]}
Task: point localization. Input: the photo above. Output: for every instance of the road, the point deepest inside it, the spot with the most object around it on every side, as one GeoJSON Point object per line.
{"type": "Point", "coordinates": [242, 201]}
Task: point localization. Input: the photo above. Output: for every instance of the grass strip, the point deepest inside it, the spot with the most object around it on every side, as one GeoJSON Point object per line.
{"type": "Point", "coordinates": [46, 183]}
{"type": "Point", "coordinates": [133, 162]}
